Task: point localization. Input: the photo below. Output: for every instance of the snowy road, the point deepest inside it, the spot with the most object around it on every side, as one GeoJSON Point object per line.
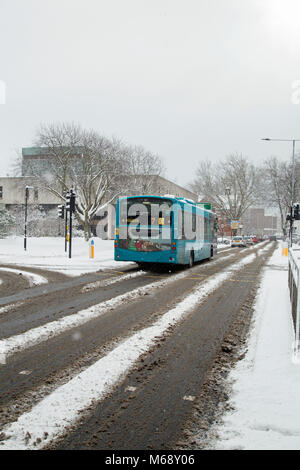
{"type": "Point", "coordinates": [114, 360]}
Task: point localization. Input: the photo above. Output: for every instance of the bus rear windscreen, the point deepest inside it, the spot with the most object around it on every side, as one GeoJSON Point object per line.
{"type": "Point", "coordinates": [147, 223]}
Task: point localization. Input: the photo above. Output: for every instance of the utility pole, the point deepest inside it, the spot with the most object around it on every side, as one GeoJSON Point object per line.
{"type": "Point", "coordinates": [66, 230]}
{"type": "Point", "coordinates": [26, 215]}
{"type": "Point", "coordinates": [70, 207]}
{"type": "Point", "coordinates": [291, 215]}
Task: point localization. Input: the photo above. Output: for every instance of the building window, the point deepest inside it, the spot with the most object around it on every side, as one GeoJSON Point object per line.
{"type": "Point", "coordinates": [36, 194]}
{"type": "Point", "coordinates": [1, 192]}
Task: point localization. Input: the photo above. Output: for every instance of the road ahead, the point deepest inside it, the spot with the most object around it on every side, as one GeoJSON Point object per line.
{"type": "Point", "coordinates": [54, 334]}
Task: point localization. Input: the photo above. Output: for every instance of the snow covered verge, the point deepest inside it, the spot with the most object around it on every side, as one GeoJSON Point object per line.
{"type": "Point", "coordinates": [49, 253]}
{"type": "Point", "coordinates": [264, 405]}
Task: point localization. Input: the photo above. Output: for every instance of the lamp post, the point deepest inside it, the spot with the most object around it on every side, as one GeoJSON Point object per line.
{"type": "Point", "coordinates": [292, 182]}
{"type": "Point", "coordinates": [26, 214]}
{"type": "Point", "coordinates": [227, 192]}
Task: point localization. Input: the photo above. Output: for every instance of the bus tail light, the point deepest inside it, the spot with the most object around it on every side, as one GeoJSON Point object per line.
{"type": "Point", "coordinates": [174, 246]}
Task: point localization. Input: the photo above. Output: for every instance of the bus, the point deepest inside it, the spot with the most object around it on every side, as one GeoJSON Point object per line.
{"type": "Point", "coordinates": [164, 229]}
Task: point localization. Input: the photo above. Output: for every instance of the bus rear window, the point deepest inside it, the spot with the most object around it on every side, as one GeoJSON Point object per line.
{"type": "Point", "coordinates": [146, 211]}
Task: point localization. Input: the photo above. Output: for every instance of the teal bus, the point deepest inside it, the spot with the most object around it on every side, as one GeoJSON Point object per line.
{"type": "Point", "coordinates": [164, 229]}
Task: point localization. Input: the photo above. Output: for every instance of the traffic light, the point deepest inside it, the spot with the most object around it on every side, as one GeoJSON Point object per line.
{"type": "Point", "coordinates": [70, 207]}
{"type": "Point", "coordinates": [61, 212]}
{"type": "Point", "coordinates": [297, 211]}
{"type": "Point", "coordinates": [70, 201]}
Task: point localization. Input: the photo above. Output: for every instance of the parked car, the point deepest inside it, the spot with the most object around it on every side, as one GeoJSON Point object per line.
{"type": "Point", "coordinates": [238, 241]}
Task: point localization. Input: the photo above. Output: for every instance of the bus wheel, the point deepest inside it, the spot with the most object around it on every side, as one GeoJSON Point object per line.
{"type": "Point", "coordinates": [143, 265]}
{"type": "Point", "coordinates": [191, 261]}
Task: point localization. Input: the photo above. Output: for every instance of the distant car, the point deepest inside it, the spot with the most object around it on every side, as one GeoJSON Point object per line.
{"type": "Point", "coordinates": [223, 241]}
{"type": "Point", "coordinates": [254, 239]}
{"type": "Point", "coordinates": [249, 241]}
{"type": "Point", "coordinates": [238, 241]}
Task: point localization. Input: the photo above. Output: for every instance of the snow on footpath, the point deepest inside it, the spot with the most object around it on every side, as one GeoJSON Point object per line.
{"type": "Point", "coordinates": [266, 383]}
{"type": "Point", "coordinates": [49, 253]}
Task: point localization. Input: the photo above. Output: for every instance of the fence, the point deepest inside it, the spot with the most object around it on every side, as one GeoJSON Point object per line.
{"type": "Point", "coordinates": [294, 286]}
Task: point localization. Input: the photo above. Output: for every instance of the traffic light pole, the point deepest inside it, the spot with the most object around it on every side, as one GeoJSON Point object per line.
{"type": "Point", "coordinates": [70, 207]}
{"type": "Point", "coordinates": [26, 214]}
{"type": "Point", "coordinates": [293, 194]}
{"type": "Point", "coordinates": [66, 231]}
{"type": "Point", "coordinates": [291, 226]}
{"type": "Point", "coordinates": [70, 240]}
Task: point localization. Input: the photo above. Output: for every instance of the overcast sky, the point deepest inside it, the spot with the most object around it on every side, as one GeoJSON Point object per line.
{"type": "Point", "coordinates": [187, 79]}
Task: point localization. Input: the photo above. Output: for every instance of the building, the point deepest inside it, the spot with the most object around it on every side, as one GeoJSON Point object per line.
{"type": "Point", "coordinates": [256, 222]}
{"type": "Point", "coordinates": [12, 193]}
{"type": "Point", "coordinates": [35, 160]}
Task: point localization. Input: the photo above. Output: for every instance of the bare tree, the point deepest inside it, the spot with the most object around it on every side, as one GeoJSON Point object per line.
{"type": "Point", "coordinates": [79, 159]}
{"type": "Point", "coordinates": [93, 177]}
{"type": "Point", "coordinates": [140, 169]}
{"type": "Point", "coordinates": [278, 186]}
{"type": "Point", "coordinates": [233, 185]}
{"type": "Point", "coordinates": [62, 144]}
{"type": "Point", "coordinates": [16, 164]}
{"type": "Point", "coordinates": [97, 168]}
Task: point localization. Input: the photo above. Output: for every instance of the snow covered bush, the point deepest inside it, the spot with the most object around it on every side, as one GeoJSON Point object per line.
{"type": "Point", "coordinates": [40, 223]}
{"type": "Point", "coordinates": [7, 221]}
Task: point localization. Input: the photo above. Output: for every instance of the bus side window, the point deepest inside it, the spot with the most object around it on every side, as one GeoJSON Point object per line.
{"type": "Point", "coordinates": [194, 222]}
{"type": "Point", "coordinates": [206, 228]}
{"type": "Point", "coordinates": [180, 224]}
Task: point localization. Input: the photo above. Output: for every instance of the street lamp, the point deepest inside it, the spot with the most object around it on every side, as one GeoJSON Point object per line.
{"type": "Point", "coordinates": [227, 192]}
{"type": "Point", "coordinates": [293, 180]}
{"type": "Point", "coordinates": [26, 212]}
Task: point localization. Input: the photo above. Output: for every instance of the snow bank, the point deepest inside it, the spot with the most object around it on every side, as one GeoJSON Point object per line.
{"type": "Point", "coordinates": [266, 385]}
{"type": "Point", "coordinates": [33, 279]}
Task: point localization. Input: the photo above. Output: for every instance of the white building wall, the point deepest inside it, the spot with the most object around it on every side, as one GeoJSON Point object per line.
{"type": "Point", "coordinates": [13, 192]}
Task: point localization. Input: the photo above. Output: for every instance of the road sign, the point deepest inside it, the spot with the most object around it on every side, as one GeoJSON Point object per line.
{"type": "Point", "coordinates": [235, 224]}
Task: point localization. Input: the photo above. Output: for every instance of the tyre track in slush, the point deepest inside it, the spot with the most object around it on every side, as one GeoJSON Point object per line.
{"type": "Point", "coordinates": [148, 410]}
{"type": "Point", "coordinates": [60, 357]}
{"type": "Point", "coordinates": [53, 302]}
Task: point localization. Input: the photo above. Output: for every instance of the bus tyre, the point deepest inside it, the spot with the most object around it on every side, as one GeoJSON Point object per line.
{"type": "Point", "coordinates": [142, 265]}
{"type": "Point", "coordinates": [191, 262]}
